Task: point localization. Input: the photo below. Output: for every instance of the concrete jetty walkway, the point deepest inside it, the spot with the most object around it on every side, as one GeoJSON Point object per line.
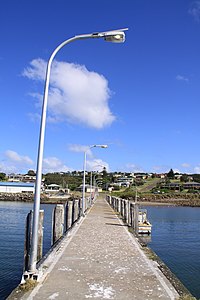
{"type": "Point", "coordinates": [102, 260]}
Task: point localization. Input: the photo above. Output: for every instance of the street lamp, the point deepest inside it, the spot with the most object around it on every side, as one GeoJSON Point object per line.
{"type": "Point", "coordinates": [115, 36]}
{"type": "Point", "coordinates": [91, 183]}
{"type": "Point", "coordinates": [84, 170]}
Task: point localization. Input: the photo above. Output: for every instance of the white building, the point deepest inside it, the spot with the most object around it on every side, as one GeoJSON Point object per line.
{"type": "Point", "coordinates": [16, 187]}
{"type": "Point", "coordinates": [52, 188]}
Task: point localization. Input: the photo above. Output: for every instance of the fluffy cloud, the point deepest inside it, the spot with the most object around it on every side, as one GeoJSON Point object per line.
{"type": "Point", "coordinates": [97, 165]}
{"type": "Point", "coordinates": [53, 164]}
{"type": "Point", "coordinates": [14, 162]}
{"type": "Point", "coordinates": [17, 158]}
{"type": "Point", "coordinates": [197, 169]}
{"type": "Point", "coordinates": [185, 165]}
{"type": "Point", "coordinates": [76, 94]}
{"type": "Point", "coordinates": [161, 169]}
{"type": "Point", "coordinates": [133, 168]}
{"type": "Point", "coordinates": [177, 171]}
{"type": "Point", "coordinates": [195, 10]}
{"type": "Point", "coordinates": [80, 148]}
{"type": "Point", "coordinates": [91, 162]}
{"type": "Point", "coordinates": [182, 78]}
{"type": "Point", "coordinates": [6, 167]}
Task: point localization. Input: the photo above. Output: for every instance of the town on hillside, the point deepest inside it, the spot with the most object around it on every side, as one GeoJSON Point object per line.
{"type": "Point", "coordinates": [144, 186]}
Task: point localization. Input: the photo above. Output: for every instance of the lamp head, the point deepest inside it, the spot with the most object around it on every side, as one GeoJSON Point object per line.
{"type": "Point", "coordinates": [100, 146]}
{"type": "Point", "coordinates": [115, 37]}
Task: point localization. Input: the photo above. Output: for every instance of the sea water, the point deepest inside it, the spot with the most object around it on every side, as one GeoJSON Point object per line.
{"type": "Point", "coordinates": [12, 233]}
{"type": "Point", "coordinates": [176, 240]}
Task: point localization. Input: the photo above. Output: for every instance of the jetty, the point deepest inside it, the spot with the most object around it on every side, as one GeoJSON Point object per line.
{"type": "Point", "coordinates": [100, 259]}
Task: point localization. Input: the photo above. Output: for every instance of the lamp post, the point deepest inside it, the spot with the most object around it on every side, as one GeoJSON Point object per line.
{"type": "Point", "coordinates": [136, 210]}
{"type": "Point", "coordinates": [84, 170]}
{"type": "Point", "coordinates": [91, 183]}
{"type": "Point", "coordinates": [115, 36]}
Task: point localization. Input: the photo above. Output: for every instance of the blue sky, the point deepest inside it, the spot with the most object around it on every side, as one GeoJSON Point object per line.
{"type": "Point", "coordinates": [141, 98]}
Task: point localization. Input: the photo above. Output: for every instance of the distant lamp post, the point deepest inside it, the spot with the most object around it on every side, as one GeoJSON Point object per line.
{"type": "Point", "coordinates": [92, 187]}
{"type": "Point", "coordinates": [84, 171]}
{"type": "Point", "coordinates": [114, 36]}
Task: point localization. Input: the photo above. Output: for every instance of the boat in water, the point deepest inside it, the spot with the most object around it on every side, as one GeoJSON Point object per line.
{"type": "Point", "coordinates": [144, 226]}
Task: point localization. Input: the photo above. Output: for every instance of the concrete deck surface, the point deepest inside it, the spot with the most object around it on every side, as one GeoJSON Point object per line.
{"type": "Point", "coordinates": [103, 261]}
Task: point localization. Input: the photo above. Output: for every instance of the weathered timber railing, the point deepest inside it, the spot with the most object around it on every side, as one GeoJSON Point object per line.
{"type": "Point", "coordinates": [127, 210]}
{"type": "Point", "coordinates": [64, 216]}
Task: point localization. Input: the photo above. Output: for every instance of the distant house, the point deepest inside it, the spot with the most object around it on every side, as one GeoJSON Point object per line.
{"type": "Point", "coordinates": [52, 188]}
{"type": "Point", "coordinates": [15, 177]}
{"type": "Point", "coordinates": [142, 176]}
{"type": "Point", "coordinates": [16, 187]}
{"type": "Point", "coordinates": [171, 186]}
{"type": "Point", "coordinates": [124, 181]}
{"type": "Point", "coordinates": [162, 175]}
{"type": "Point", "coordinates": [191, 185]}
{"type": "Point", "coordinates": [89, 189]}
{"type": "Point", "coordinates": [178, 176]}
{"type": "Point", "coordinates": [22, 178]}
{"type": "Point", "coordinates": [28, 178]}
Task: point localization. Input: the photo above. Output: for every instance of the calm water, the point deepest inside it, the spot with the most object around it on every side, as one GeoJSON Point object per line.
{"type": "Point", "coordinates": [176, 240]}
{"type": "Point", "coordinates": [12, 229]}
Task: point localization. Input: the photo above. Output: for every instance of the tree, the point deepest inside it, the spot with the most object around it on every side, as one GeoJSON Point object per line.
{"type": "Point", "coordinates": [2, 176]}
{"type": "Point", "coordinates": [31, 173]}
{"type": "Point", "coordinates": [170, 174]}
{"type": "Point", "coordinates": [105, 174]}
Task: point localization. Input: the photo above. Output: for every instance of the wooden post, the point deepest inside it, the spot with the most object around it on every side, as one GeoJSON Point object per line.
{"type": "Point", "coordinates": [128, 213]}
{"type": "Point", "coordinates": [58, 223]}
{"type": "Point", "coordinates": [79, 208]}
{"type": "Point", "coordinates": [112, 201]}
{"type": "Point", "coordinates": [123, 208]}
{"type": "Point", "coordinates": [136, 218]}
{"type": "Point", "coordinates": [119, 206]}
{"type": "Point", "coordinates": [76, 204]}
{"type": "Point", "coordinates": [28, 238]}
{"type": "Point", "coordinates": [73, 211]}
{"type": "Point", "coordinates": [40, 235]}
{"type": "Point", "coordinates": [131, 215]}
{"type": "Point", "coordinates": [27, 242]}
{"type": "Point", "coordinates": [69, 208]}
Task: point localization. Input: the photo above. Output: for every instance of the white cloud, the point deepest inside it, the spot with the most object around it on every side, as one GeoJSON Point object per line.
{"type": "Point", "coordinates": [34, 117]}
{"type": "Point", "coordinates": [15, 157]}
{"type": "Point", "coordinates": [96, 165]}
{"type": "Point", "coordinates": [197, 169]}
{"type": "Point", "coordinates": [76, 94]}
{"type": "Point", "coordinates": [36, 70]}
{"type": "Point", "coordinates": [14, 162]}
{"type": "Point", "coordinates": [185, 165]}
{"type": "Point", "coordinates": [161, 169]}
{"type": "Point", "coordinates": [53, 164]}
{"type": "Point", "coordinates": [133, 168]}
{"type": "Point", "coordinates": [195, 10]}
{"type": "Point", "coordinates": [6, 167]}
{"type": "Point", "coordinates": [80, 148]}
{"type": "Point", "coordinates": [182, 78]}
{"type": "Point", "coordinates": [177, 171]}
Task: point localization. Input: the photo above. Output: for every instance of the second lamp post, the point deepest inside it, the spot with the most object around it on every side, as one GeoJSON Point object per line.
{"type": "Point", "coordinates": [84, 170]}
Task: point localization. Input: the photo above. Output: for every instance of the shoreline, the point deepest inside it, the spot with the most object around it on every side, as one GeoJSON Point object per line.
{"type": "Point", "coordinates": [150, 201]}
